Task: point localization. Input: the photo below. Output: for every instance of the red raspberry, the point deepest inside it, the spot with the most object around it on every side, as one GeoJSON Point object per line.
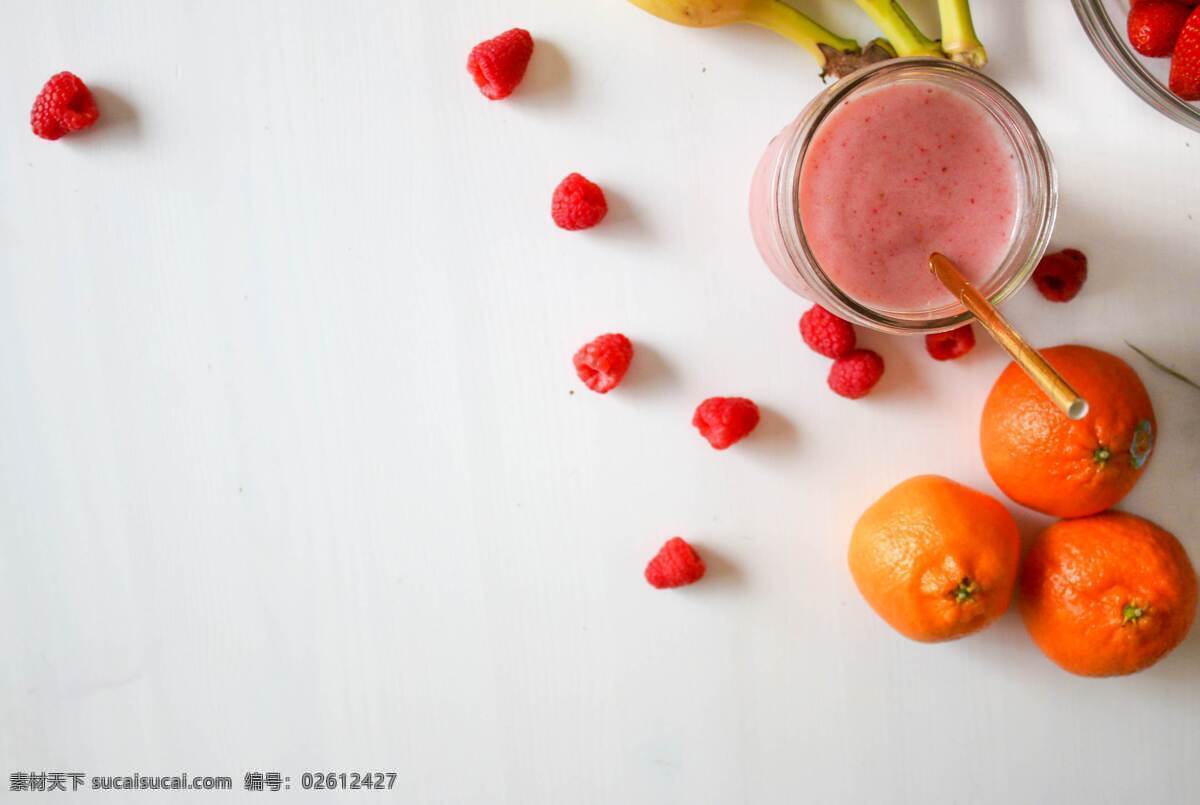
{"type": "Point", "coordinates": [602, 362]}
{"type": "Point", "coordinates": [577, 203]}
{"type": "Point", "coordinates": [498, 64]}
{"type": "Point", "coordinates": [854, 374]}
{"type": "Point", "coordinates": [65, 104]}
{"type": "Point", "coordinates": [826, 333]}
{"type": "Point", "coordinates": [1059, 276]}
{"type": "Point", "coordinates": [675, 565]}
{"type": "Point", "coordinates": [1154, 25]}
{"type": "Point", "coordinates": [951, 345]}
{"type": "Point", "coordinates": [725, 420]}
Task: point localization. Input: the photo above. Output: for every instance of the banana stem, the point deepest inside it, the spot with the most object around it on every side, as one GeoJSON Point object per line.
{"type": "Point", "coordinates": [958, 33]}
{"type": "Point", "coordinates": [804, 31]}
{"type": "Point", "coordinates": [900, 30]}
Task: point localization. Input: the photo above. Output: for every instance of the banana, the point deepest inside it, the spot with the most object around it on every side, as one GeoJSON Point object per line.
{"type": "Point", "coordinates": [825, 46]}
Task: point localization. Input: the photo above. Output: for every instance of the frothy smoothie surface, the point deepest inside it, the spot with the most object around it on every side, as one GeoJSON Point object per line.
{"type": "Point", "coordinates": [898, 172]}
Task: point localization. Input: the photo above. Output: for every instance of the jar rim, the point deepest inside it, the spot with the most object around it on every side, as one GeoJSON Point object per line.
{"type": "Point", "coordinates": [1039, 179]}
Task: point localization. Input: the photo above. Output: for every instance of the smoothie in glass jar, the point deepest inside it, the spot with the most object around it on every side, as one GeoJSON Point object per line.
{"type": "Point", "coordinates": [905, 159]}
{"type": "Point", "coordinates": [900, 172]}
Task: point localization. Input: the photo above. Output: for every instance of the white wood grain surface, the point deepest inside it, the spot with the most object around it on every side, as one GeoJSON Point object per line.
{"type": "Point", "coordinates": [295, 473]}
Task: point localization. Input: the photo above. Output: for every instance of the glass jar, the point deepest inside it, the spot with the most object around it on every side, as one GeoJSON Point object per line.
{"type": "Point", "coordinates": [775, 209]}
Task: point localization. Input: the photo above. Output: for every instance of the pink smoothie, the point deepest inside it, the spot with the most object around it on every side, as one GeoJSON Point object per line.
{"type": "Point", "coordinates": [898, 172]}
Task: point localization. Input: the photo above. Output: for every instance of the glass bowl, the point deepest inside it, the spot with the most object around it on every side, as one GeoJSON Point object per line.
{"type": "Point", "coordinates": [1104, 22]}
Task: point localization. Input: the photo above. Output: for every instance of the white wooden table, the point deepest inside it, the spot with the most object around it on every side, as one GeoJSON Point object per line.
{"type": "Point", "coordinates": [295, 474]}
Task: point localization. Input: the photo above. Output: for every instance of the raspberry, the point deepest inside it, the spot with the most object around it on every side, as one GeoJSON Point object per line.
{"type": "Point", "coordinates": [1059, 276]}
{"type": "Point", "coordinates": [65, 104]}
{"type": "Point", "coordinates": [602, 362]}
{"type": "Point", "coordinates": [498, 64]}
{"type": "Point", "coordinates": [855, 373]}
{"type": "Point", "coordinates": [725, 420]}
{"type": "Point", "coordinates": [826, 333]}
{"type": "Point", "coordinates": [951, 345]}
{"type": "Point", "coordinates": [577, 203]}
{"type": "Point", "coordinates": [675, 565]}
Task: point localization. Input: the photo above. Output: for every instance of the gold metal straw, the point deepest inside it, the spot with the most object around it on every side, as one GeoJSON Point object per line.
{"type": "Point", "coordinates": [1048, 380]}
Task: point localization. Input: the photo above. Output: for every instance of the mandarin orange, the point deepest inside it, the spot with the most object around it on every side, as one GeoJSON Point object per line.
{"type": "Point", "coordinates": [935, 559]}
{"type": "Point", "coordinates": [1063, 467]}
{"type": "Point", "coordinates": [1108, 594]}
